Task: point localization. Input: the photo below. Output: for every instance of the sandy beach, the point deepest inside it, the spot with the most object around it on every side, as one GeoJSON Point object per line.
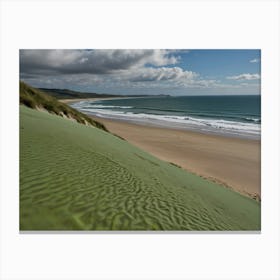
{"type": "Point", "coordinates": [232, 162]}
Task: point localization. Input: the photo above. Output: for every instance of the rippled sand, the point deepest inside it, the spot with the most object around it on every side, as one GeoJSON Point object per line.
{"type": "Point", "coordinates": [232, 162]}
{"type": "Point", "coordinates": [74, 177]}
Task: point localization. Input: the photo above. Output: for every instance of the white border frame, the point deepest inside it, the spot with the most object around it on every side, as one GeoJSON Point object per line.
{"type": "Point", "coordinates": [146, 24]}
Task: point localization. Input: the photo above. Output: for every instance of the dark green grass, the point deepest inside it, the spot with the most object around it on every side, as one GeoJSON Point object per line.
{"type": "Point", "coordinates": [35, 99]}
{"type": "Point", "coordinates": [76, 177]}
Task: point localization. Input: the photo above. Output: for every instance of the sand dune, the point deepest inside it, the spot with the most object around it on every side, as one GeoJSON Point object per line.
{"type": "Point", "coordinates": [75, 177]}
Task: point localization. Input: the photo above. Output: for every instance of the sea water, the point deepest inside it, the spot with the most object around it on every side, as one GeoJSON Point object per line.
{"type": "Point", "coordinates": [237, 115]}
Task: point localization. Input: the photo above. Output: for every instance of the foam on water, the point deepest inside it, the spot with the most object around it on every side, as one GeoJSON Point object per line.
{"type": "Point", "coordinates": [250, 128]}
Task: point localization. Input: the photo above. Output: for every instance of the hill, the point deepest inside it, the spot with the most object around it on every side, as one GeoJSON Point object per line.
{"type": "Point", "coordinates": [35, 99]}
{"type": "Point", "coordinates": [71, 94]}
{"type": "Point", "coordinates": [76, 177]}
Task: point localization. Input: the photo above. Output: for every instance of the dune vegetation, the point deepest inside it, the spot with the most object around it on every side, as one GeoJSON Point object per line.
{"type": "Point", "coordinates": [36, 99]}
{"type": "Point", "coordinates": [78, 177]}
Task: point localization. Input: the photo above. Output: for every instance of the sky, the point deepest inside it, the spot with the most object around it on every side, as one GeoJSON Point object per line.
{"type": "Point", "coordinates": [144, 71]}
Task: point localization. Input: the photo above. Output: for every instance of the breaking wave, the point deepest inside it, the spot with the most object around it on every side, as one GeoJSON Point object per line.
{"type": "Point", "coordinates": [249, 126]}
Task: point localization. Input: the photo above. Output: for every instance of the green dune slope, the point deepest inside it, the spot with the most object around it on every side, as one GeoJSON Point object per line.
{"type": "Point", "coordinates": [76, 177]}
{"type": "Point", "coordinates": [36, 99]}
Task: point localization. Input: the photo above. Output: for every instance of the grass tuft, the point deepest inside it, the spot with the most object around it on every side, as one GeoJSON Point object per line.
{"type": "Point", "coordinates": [36, 99]}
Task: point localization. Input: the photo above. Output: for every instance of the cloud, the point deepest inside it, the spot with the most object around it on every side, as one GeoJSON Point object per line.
{"type": "Point", "coordinates": [161, 74]}
{"type": "Point", "coordinates": [244, 77]}
{"type": "Point", "coordinates": [255, 60]}
{"type": "Point", "coordinates": [122, 68]}
{"type": "Point", "coordinates": [145, 77]}
{"type": "Point", "coordinates": [49, 62]}
{"type": "Point", "coordinates": [116, 70]}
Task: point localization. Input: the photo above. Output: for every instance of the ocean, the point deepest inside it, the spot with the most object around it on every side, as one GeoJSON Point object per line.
{"type": "Point", "coordinates": [237, 115]}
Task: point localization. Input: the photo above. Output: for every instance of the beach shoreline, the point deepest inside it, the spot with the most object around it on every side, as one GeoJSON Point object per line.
{"type": "Point", "coordinates": [222, 125]}
{"type": "Point", "coordinates": [229, 161]}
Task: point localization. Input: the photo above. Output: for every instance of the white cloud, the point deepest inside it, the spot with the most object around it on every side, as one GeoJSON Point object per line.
{"type": "Point", "coordinates": [49, 62]}
{"type": "Point", "coordinates": [149, 74]}
{"type": "Point", "coordinates": [255, 60]}
{"type": "Point", "coordinates": [145, 77]}
{"type": "Point", "coordinates": [116, 69]}
{"type": "Point", "coordinates": [244, 77]}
